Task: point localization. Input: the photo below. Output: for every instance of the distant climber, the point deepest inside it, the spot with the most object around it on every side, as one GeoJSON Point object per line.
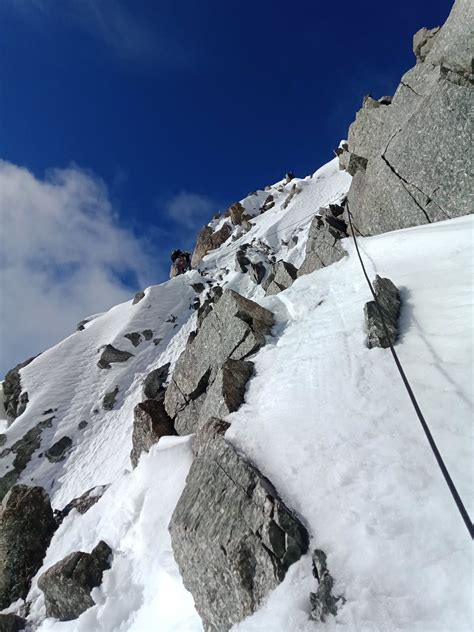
{"type": "Point", "coordinates": [181, 263]}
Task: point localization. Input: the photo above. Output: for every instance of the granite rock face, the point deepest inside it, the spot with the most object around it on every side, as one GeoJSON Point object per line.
{"type": "Point", "coordinates": [67, 585]}
{"type": "Point", "coordinates": [418, 149]}
{"type": "Point", "coordinates": [323, 246]}
{"type": "Point", "coordinates": [150, 423]}
{"type": "Point", "coordinates": [232, 536]}
{"type": "Point", "coordinates": [389, 299]}
{"type": "Point", "coordinates": [208, 240]}
{"type": "Point", "coordinates": [233, 330]}
{"type": "Point", "coordinates": [26, 528]}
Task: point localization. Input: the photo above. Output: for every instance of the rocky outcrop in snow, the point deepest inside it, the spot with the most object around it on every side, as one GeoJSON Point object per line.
{"type": "Point", "coordinates": [388, 297]}
{"type": "Point", "coordinates": [26, 527]}
{"type": "Point", "coordinates": [14, 400]}
{"type": "Point", "coordinates": [12, 623]}
{"type": "Point", "coordinates": [67, 585]}
{"type": "Point", "coordinates": [323, 602]}
{"type": "Point", "coordinates": [408, 158]}
{"type": "Point", "coordinates": [232, 536]}
{"type": "Point", "coordinates": [233, 330]}
{"type": "Point", "coordinates": [282, 276]}
{"type": "Point", "coordinates": [150, 423]}
{"type": "Point", "coordinates": [209, 240]}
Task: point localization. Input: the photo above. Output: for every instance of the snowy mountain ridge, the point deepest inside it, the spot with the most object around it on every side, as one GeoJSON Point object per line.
{"type": "Point", "coordinates": [323, 418]}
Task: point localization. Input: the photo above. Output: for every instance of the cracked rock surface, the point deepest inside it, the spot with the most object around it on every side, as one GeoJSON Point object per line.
{"type": "Point", "coordinates": [417, 149]}
{"type": "Point", "coordinates": [231, 534]}
{"type": "Point", "coordinates": [233, 330]}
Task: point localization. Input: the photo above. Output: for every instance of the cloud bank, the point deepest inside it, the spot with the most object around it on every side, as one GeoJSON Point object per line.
{"type": "Point", "coordinates": [63, 256]}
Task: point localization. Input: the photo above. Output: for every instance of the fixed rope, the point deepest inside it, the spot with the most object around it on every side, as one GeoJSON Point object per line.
{"type": "Point", "coordinates": [429, 436]}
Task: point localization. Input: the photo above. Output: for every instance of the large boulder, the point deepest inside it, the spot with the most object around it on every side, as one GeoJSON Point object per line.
{"type": "Point", "coordinates": [26, 527]}
{"type": "Point", "coordinates": [12, 623]}
{"type": "Point", "coordinates": [418, 149]}
{"type": "Point", "coordinates": [150, 423]}
{"type": "Point", "coordinates": [232, 536]}
{"type": "Point", "coordinates": [67, 585]}
{"type": "Point", "coordinates": [209, 240]}
{"type": "Point", "coordinates": [234, 329]}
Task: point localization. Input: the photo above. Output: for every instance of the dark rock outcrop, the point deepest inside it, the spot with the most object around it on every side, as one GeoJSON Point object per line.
{"type": "Point", "coordinates": [232, 536]}
{"type": "Point", "coordinates": [58, 451]}
{"type": "Point", "coordinates": [81, 504]}
{"type": "Point", "coordinates": [268, 204]}
{"type": "Point", "coordinates": [283, 275]}
{"type": "Point", "coordinates": [12, 623]}
{"type": "Point", "coordinates": [418, 149]}
{"type": "Point", "coordinates": [111, 354]}
{"type": "Point", "coordinates": [108, 401]}
{"type": "Point", "coordinates": [138, 297]}
{"type": "Point", "coordinates": [13, 399]}
{"type": "Point", "coordinates": [323, 602]}
{"type": "Point", "coordinates": [135, 338]}
{"type": "Point", "coordinates": [150, 423]}
{"type": "Point", "coordinates": [237, 213]}
{"type": "Point", "coordinates": [147, 334]}
{"type": "Point", "coordinates": [23, 450]}
{"type": "Point", "coordinates": [234, 329]}
{"type": "Point", "coordinates": [208, 240]}
{"type": "Point", "coordinates": [323, 245]}
{"type": "Point", "coordinates": [257, 272]}
{"type": "Point", "coordinates": [67, 585]}
{"type": "Point", "coordinates": [389, 299]}
{"type": "Point", "coordinates": [154, 383]}
{"type": "Point", "coordinates": [26, 528]}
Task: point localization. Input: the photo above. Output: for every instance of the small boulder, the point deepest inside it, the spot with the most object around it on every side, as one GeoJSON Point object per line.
{"type": "Point", "coordinates": [111, 354]}
{"type": "Point", "coordinates": [389, 299]}
{"type": "Point", "coordinates": [268, 204]}
{"type": "Point", "coordinates": [147, 334]}
{"type": "Point", "coordinates": [12, 623]}
{"type": "Point", "coordinates": [26, 527]}
{"type": "Point", "coordinates": [154, 382]}
{"type": "Point", "coordinates": [81, 325]}
{"type": "Point", "coordinates": [108, 401]}
{"type": "Point", "coordinates": [323, 602]}
{"type": "Point", "coordinates": [58, 451]}
{"type": "Point", "coordinates": [284, 273]}
{"type": "Point", "coordinates": [82, 424]}
{"type": "Point", "coordinates": [150, 423]}
{"type": "Point", "coordinates": [67, 585]}
{"type": "Point", "coordinates": [134, 337]}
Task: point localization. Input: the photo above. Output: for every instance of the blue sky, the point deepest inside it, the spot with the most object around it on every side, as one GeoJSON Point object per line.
{"type": "Point", "coordinates": [176, 109]}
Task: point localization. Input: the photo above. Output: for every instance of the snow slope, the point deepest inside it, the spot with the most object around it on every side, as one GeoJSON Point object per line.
{"type": "Point", "coordinates": [326, 419]}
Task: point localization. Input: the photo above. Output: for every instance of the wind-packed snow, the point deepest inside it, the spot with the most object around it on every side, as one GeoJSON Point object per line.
{"type": "Point", "coordinates": [325, 418]}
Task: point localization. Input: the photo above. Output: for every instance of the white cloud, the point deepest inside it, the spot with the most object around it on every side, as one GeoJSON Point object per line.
{"type": "Point", "coordinates": [190, 210]}
{"type": "Point", "coordinates": [63, 256]}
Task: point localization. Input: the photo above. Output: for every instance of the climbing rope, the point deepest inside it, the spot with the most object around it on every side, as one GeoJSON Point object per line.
{"type": "Point", "coordinates": [429, 436]}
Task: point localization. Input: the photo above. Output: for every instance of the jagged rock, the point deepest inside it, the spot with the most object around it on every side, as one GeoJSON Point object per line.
{"type": "Point", "coordinates": [232, 536]}
{"type": "Point", "coordinates": [134, 337]}
{"type": "Point", "coordinates": [323, 245]}
{"type": "Point", "coordinates": [234, 329]}
{"type": "Point", "coordinates": [284, 274]}
{"type": "Point", "coordinates": [23, 450]}
{"type": "Point", "coordinates": [12, 623]}
{"type": "Point", "coordinates": [154, 382]}
{"type": "Point", "coordinates": [108, 401]}
{"type": "Point", "coordinates": [12, 395]}
{"type": "Point", "coordinates": [67, 585]}
{"type": "Point", "coordinates": [418, 150]}
{"type": "Point", "coordinates": [82, 503]}
{"type": "Point", "coordinates": [150, 423]}
{"type": "Point", "coordinates": [209, 240]}
{"type": "Point", "coordinates": [111, 354]}
{"type": "Point", "coordinates": [147, 334]}
{"type": "Point", "coordinates": [423, 42]}
{"type": "Point", "coordinates": [206, 308]}
{"type": "Point", "coordinates": [198, 287]}
{"type": "Point", "coordinates": [237, 213]}
{"type": "Point", "coordinates": [26, 528]}
{"type": "Point", "coordinates": [138, 297]}
{"type": "Point", "coordinates": [58, 451]}
{"type": "Point", "coordinates": [389, 298]}
{"type": "Point", "coordinates": [323, 602]}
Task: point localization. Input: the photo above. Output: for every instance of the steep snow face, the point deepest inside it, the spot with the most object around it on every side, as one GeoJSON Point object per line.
{"type": "Point", "coordinates": [325, 419]}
